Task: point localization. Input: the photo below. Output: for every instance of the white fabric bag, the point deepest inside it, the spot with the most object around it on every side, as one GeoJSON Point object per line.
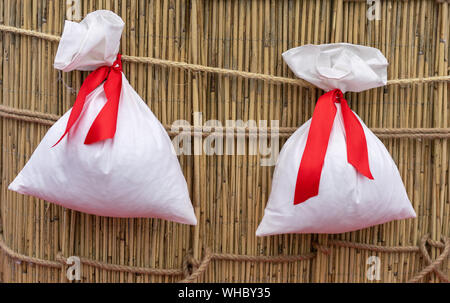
{"type": "Point", "coordinates": [346, 200]}
{"type": "Point", "coordinates": [134, 174]}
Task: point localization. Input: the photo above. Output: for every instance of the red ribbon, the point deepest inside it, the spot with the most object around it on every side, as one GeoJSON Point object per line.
{"type": "Point", "coordinates": [104, 125]}
{"type": "Point", "coordinates": [310, 169]}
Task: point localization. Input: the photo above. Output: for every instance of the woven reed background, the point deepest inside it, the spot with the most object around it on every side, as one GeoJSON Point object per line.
{"type": "Point", "coordinates": [229, 192]}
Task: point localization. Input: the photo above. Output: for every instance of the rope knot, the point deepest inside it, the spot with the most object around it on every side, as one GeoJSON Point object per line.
{"type": "Point", "coordinates": [322, 248]}
{"type": "Point", "coordinates": [60, 258]}
{"type": "Point", "coordinates": [190, 264]}
{"type": "Point", "coordinates": [193, 269]}
{"type": "Point", "coordinates": [433, 266]}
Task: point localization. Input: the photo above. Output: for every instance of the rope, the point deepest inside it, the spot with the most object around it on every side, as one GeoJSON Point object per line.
{"type": "Point", "coordinates": [23, 258]}
{"type": "Point", "coordinates": [201, 268]}
{"type": "Point", "coordinates": [62, 261]}
{"type": "Point", "coordinates": [283, 132]}
{"type": "Point", "coordinates": [29, 33]}
{"type": "Point", "coordinates": [432, 265]}
{"type": "Point", "coordinates": [193, 269]}
{"type": "Point", "coordinates": [372, 247]}
{"type": "Point", "coordinates": [215, 70]}
{"type": "Point", "coordinates": [126, 268]}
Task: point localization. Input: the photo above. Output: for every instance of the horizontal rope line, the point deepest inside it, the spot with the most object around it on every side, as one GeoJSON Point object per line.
{"type": "Point", "coordinates": [283, 132]}
{"type": "Point", "coordinates": [216, 70]}
{"type": "Point", "coordinates": [209, 256]}
{"type": "Point", "coordinates": [433, 266]}
{"type": "Point", "coordinates": [24, 258]}
{"type": "Point", "coordinates": [126, 268]}
{"type": "Point", "coordinates": [373, 247]}
{"type": "Point", "coordinates": [262, 259]}
{"type": "Point", "coordinates": [61, 262]}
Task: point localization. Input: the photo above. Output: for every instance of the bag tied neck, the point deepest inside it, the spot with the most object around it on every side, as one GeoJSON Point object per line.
{"type": "Point", "coordinates": [104, 125]}
{"type": "Point", "coordinates": [310, 170]}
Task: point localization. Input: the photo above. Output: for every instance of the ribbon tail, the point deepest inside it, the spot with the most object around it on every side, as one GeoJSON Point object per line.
{"type": "Point", "coordinates": [310, 170]}
{"type": "Point", "coordinates": [92, 81]}
{"type": "Point", "coordinates": [104, 125]}
{"type": "Point", "coordinates": [357, 153]}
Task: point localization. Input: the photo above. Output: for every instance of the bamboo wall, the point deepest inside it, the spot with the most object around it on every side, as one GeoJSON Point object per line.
{"type": "Point", "coordinates": [229, 192]}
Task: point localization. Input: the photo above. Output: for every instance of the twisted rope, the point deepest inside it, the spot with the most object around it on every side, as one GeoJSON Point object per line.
{"type": "Point", "coordinates": [61, 261]}
{"type": "Point", "coordinates": [27, 259]}
{"type": "Point", "coordinates": [193, 269]}
{"type": "Point", "coordinates": [29, 33]}
{"type": "Point", "coordinates": [373, 247]}
{"type": "Point", "coordinates": [215, 70]}
{"type": "Point", "coordinates": [433, 266]}
{"type": "Point", "coordinates": [202, 266]}
{"type": "Point", "coordinates": [283, 132]}
{"type": "Point", "coordinates": [125, 268]}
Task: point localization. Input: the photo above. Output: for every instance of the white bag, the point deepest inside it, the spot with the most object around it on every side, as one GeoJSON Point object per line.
{"type": "Point", "coordinates": [346, 200]}
{"type": "Point", "coordinates": [134, 174]}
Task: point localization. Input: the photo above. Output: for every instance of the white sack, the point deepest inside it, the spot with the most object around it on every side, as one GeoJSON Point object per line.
{"type": "Point", "coordinates": [135, 174]}
{"type": "Point", "coordinates": [347, 200]}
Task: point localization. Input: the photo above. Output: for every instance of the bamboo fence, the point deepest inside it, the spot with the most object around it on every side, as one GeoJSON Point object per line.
{"type": "Point", "coordinates": [241, 42]}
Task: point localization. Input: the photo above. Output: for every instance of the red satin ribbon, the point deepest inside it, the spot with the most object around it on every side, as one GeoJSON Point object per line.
{"type": "Point", "coordinates": [310, 169]}
{"type": "Point", "coordinates": [104, 125]}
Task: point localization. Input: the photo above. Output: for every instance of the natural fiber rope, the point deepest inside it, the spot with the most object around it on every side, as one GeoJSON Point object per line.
{"type": "Point", "coordinates": [23, 258]}
{"type": "Point", "coordinates": [432, 265]}
{"type": "Point", "coordinates": [126, 268]}
{"type": "Point", "coordinates": [283, 132]}
{"type": "Point", "coordinates": [62, 261]}
{"type": "Point", "coordinates": [193, 269]}
{"type": "Point", "coordinates": [215, 70]}
{"type": "Point", "coordinates": [30, 33]}
{"type": "Point", "coordinates": [372, 247]}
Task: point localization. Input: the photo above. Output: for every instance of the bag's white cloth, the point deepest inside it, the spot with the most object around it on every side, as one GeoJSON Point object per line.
{"type": "Point", "coordinates": [347, 200]}
{"type": "Point", "coordinates": [135, 174]}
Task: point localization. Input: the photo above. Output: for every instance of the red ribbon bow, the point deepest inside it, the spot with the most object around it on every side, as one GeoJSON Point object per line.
{"type": "Point", "coordinates": [310, 169]}
{"type": "Point", "coordinates": [104, 125]}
